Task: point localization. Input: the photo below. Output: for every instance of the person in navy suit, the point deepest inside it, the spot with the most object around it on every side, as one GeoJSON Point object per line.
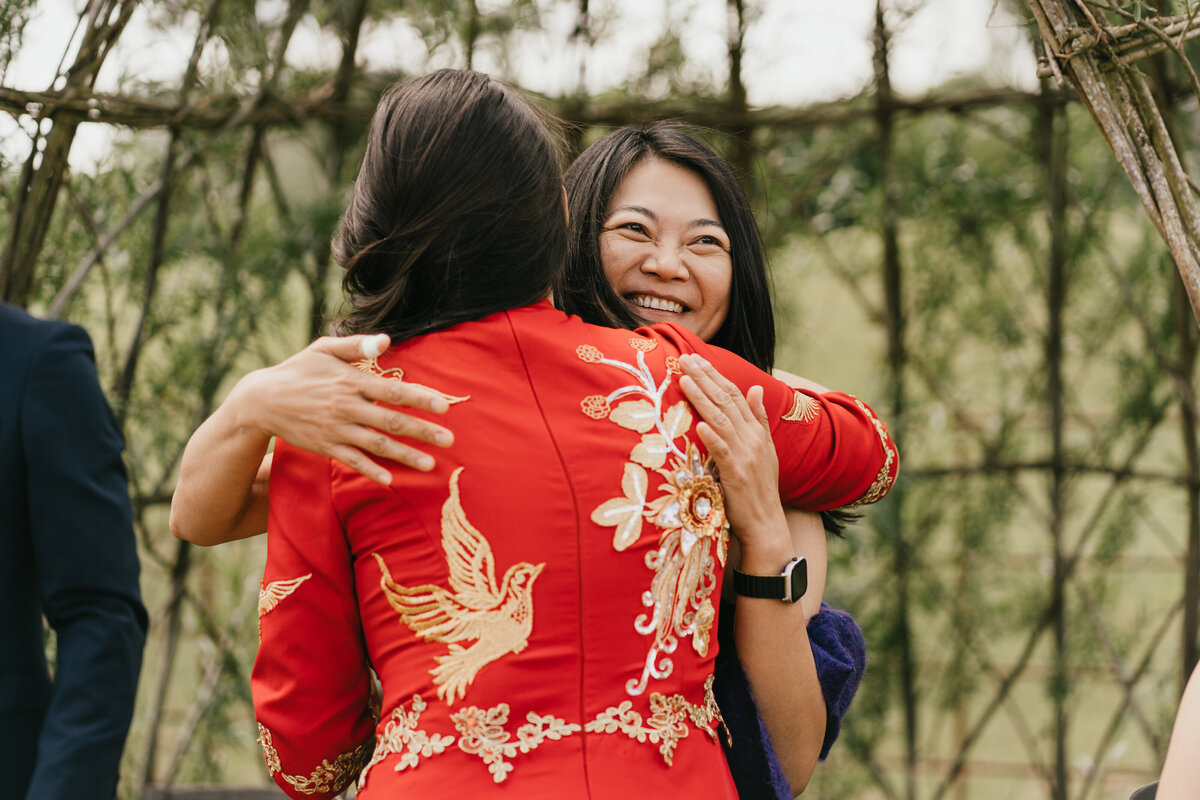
{"type": "Point", "coordinates": [67, 554]}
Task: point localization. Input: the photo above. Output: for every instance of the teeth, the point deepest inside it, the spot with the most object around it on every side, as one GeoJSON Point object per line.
{"type": "Point", "coordinates": [656, 303]}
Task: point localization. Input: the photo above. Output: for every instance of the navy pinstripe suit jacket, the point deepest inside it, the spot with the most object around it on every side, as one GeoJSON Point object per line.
{"type": "Point", "coordinates": [67, 554]}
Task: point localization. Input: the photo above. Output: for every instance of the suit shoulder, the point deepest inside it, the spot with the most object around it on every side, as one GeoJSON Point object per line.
{"type": "Point", "coordinates": [30, 333]}
{"type": "Point", "coordinates": [27, 340]}
{"type": "Point", "coordinates": [40, 356]}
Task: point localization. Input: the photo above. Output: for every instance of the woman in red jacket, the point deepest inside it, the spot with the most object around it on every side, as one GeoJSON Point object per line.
{"type": "Point", "coordinates": [540, 604]}
{"type": "Point", "coordinates": [318, 402]}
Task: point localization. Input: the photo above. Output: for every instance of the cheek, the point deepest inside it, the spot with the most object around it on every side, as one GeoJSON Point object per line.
{"type": "Point", "coordinates": [715, 288]}
{"type": "Point", "coordinates": [616, 257]}
{"type": "Point", "coordinates": [716, 297]}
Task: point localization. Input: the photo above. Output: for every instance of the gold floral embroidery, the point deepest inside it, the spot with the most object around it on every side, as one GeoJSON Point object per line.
{"type": "Point", "coordinates": [708, 716]}
{"type": "Point", "coordinates": [402, 737]}
{"type": "Point", "coordinates": [271, 594]}
{"type": "Point", "coordinates": [644, 345]}
{"type": "Point", "coordinates": [625, 513]}
{"type": "Point", "coordinates": [804, 408]}
{"type": "Point", "coordinates": [591, 355]}
{"type": "Point", "coordinates": [371, 367]}
{"type": "Point", "coordinates": [884, 480]}
{"type": "Point", "coordinates": [498, 618]}
{"type": "Point", "coordinates": [332, 778]}
{"type": "Point", "coordinates": [268, 748]}
{"type": "Point", "coordinates": [690, 512]}
{"type": "Point", "coordinates": [666, 725]}
{"type": "Point", "coordinates": [483, 735]}
{"type": "Point", "coordinates": [326, 778]}
{"type": "Point", "coordinates": [596, 406]}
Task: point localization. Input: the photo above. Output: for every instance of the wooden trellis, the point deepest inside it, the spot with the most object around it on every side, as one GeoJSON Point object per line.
{"type": "Point", "coordinates": [1101, 60]}
{"type": "Point", "coordinates": [1114, 56]}
{"type": "Point", "coordinates": [1090, 46]}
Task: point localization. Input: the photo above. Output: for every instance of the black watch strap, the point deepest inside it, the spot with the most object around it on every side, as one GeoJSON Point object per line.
{"type": "Point", "coordinates": [788, 586]}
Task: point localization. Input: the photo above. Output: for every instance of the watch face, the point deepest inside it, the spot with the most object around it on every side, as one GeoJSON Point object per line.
{"type": "Point", "coordinates": [799, 579]}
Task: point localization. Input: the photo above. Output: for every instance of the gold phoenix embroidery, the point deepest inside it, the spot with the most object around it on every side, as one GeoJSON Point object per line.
{"type": "Point", "coordinates": [498, 617]}
{"type": "Point", "coordinates": [883, 481]}
{"type": "Point", "coordinates": [371, 367]}
{"type": "Point", "coordinates": [326, 778]}
{"type": "Point", "coordinates": [402, 737]}
{"type": "Point", "coordinates": [690, 513]}
{"type": "Point", "coordinates": [804, 408]}
{"type": "Point", "coordinates": [482, 732]}
{"type": "Point", "coordinates": [272, 593]}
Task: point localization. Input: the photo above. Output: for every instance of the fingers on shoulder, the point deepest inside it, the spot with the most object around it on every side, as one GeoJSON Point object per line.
{"type": "Point", "coordinates": [352, 348]}
{"type": "Point", "coordinates": [755, 399]}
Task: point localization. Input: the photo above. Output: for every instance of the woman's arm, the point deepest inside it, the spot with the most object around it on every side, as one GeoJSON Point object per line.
{"type": "Point", "coordinates": [315, 400]}
{"type": "Point", "coordinates": [771, 636]}
{"type": "Point", "coordinates": [807, 533]}
{"type": "Point", "coordinates": [796, 382]}
{"type": "Point", "coordinates": [1181, 773]}
{"type": "Point", "coordinates": [310, 683]}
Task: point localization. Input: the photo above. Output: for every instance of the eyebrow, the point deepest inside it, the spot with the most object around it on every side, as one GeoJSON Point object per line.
{"type": "Point", "coordinates": [696, 223]}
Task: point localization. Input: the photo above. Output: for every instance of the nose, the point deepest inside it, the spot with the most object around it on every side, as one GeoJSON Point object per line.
{"type": "Point", "coordinates": [667, 263]}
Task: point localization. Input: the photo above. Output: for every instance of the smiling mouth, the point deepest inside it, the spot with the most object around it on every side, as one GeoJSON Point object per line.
{"type": "Point", "coordinates": [655, 303]}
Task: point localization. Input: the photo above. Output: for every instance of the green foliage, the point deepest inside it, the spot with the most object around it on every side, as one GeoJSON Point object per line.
{"type": "Point", "coordinates": [949, 578]}
{"type": "Point", "coordinates": [669, 72]}
{"type": "Point", "coordinates": [969, 555]}
{"type": "Point", "coordinates": [14, 14]}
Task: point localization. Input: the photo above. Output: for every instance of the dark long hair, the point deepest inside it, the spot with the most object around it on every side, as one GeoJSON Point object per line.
{"type": "Point", "coordinates": [583, 289]}
{"type": "Point", "coordinates": [457, 210]}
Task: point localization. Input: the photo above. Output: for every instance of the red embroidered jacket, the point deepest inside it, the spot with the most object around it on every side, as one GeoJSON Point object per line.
{"type": "Point", "coordinates": [540, 607]}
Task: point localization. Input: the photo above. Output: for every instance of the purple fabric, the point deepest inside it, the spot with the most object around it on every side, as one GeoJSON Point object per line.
{"type": "Point", "coordinates": [840, 652]}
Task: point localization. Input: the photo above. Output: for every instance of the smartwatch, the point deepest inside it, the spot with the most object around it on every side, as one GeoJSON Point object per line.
{"type": "Point", "coordinates": [788, 586]}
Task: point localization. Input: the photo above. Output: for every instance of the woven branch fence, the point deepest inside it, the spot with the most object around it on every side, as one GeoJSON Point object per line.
{"type": "Point", "coordinates": [1030, 592]}
{"type": "Point", "coordinates": [1101, 60]}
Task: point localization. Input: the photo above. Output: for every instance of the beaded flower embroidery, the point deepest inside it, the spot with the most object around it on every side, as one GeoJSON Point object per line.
{"type": "Point", "coordinates": [689, 511]}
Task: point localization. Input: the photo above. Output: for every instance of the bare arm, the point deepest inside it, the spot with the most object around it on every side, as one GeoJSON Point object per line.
{"type": "Point", "coordinates": [317, 401]}
{"type": "Point", "coordinates": [796, 382]}
{"type": "Point", "coordinates": [771, 636]}
{"type": "Point", "coordinates": [807, 534]}
{"type": "Point", "coordinates": [1181, 773]}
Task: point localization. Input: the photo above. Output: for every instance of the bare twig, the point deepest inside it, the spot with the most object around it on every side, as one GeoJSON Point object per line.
{"type": "Point", "coordinates": [46, 166]}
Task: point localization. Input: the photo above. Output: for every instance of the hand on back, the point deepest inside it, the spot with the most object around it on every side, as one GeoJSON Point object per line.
{"type": "Point", "coordinates": [319, 401]}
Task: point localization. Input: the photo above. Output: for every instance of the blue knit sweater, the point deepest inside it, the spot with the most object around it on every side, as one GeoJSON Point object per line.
{"type": "Point", "coordinates": [840, 652]}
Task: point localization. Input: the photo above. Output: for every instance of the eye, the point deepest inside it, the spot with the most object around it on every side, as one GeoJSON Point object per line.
{"type": "Point", "coordinates": [708, 244]}
{"type": "Point", "coordinates": [629, 230]}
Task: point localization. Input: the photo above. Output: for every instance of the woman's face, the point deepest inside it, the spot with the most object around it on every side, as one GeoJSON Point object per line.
{"type": "Point", "coordinates": [664, 250]}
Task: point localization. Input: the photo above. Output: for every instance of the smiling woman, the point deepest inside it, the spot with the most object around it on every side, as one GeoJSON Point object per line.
{"type": "Point", "coordinates": [661, 231]}
{"type": "Point", "coordinates": [665, 193]}
{"type": "Point", "coordinates": [664, 250]}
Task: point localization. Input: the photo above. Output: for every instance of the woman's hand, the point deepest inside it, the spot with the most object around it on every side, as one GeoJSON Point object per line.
{"type": "Point", "coordinates": [319, 402]}
{"type": "Point", "coordinates": [770, 637]}
{"type": "Point", "coordinates": [316, 400]}
{"type": "Point", "coordinates": [736, 431]}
